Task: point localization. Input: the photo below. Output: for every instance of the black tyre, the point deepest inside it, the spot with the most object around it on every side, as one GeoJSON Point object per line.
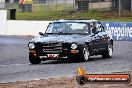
{"type": "Point", "coordinates": [109, 52]}
{"type": "Point", "coordinates": [85, 53]}
{"type": "Point", "coordinates": [35, 60]}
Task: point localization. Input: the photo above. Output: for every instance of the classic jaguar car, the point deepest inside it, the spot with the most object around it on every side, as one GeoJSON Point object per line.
{"type": "Point", "coordinates": [69, 40]}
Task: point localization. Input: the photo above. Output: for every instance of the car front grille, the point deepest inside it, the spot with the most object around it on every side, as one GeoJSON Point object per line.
{"type": "Point", "coordinates": [52, 47]}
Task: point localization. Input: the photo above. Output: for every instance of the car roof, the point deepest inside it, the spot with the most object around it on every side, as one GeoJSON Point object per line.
{"type": "Point", "coordinates": [80, 20]}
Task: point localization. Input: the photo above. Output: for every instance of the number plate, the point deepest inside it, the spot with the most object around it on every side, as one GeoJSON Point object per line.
{"type": "Point", "coordinates": [53, 55]}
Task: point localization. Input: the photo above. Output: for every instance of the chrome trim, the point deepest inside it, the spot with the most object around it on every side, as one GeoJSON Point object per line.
{"type": "Point", "coordinates": [65, 57]}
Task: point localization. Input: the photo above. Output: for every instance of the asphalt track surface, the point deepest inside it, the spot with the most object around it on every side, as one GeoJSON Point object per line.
{"type": "Point", "coordinates": [14, 64]}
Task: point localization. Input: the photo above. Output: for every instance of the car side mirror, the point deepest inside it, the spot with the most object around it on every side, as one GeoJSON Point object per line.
{"type": "Point", "coordinates": [98, 31]}
{"type": "Point", "coordinates": [92, 34]}
{"type": "Point", "coordinates": [40, 33]}
{"type": "Point", "coordinates": [43, 34]}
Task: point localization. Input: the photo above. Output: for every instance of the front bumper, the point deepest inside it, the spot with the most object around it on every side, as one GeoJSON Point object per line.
{"type": "Point", "coordinates": [63, 50]}
{"type": "Point", "coordinates": [64, 55]}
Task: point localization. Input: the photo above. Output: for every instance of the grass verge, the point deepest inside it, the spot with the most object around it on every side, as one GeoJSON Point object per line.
{"type": "Point", "coordinates": [55, 15]}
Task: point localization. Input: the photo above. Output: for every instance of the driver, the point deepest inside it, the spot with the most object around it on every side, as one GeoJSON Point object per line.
{"type": "Point", "coordinates": [66, 28]}
{"type": "Point", "coordinates": [85, 29]}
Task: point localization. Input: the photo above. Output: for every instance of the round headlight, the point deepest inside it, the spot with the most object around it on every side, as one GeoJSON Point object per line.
{"type": "Point", "coordinates": [31, 46]}
{"type": "Point", "coordinates": [74, 46]}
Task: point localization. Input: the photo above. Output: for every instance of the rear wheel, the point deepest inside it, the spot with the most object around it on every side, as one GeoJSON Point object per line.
{"type": "Point", "coordinates": [109, 52]}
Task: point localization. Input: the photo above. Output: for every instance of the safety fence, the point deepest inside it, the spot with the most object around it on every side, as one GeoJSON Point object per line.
{"type": "Point", "coordinates": [119, 30]}
{"type": "Point", "coordinates": [61, 5]}
{"type": "Point", "coordinates": [118, 6]}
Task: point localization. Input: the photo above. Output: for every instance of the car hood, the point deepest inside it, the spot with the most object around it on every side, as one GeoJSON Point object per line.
{"type": "Point", "coordinates": [61, 38]}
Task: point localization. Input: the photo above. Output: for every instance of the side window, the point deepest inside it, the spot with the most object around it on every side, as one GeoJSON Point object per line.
{"type": "Point", "coordinates": [93, 27]}
{"type": "Point", "coordinates": [96, 27]}
{"type": "Point", "coordinates": [99, 27]}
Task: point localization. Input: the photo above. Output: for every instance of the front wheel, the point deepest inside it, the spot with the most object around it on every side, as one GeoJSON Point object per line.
{"type": "Point", "coordinates": [109, 52]}
{"type": "Point", "coordinates": [85, 53]}
{"type": "Point", "coordinates": [34, 60]}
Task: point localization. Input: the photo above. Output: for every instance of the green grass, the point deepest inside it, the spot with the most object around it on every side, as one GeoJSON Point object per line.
{"type": "Point", "coordinates": [55, 15]}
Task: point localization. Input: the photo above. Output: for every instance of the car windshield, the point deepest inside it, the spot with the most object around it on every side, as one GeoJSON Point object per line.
{"type": "Point", "coordinates": [68, 27]}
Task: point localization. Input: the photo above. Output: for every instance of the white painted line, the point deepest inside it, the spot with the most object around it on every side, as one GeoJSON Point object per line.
{"type": "Point", "coordinates": [16, 65]}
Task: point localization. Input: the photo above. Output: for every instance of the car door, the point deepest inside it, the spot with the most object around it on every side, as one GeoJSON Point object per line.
{"type": "Point", "coordinates": [95, 38]}
{"type": "Point", "coordinates": [102, 35]}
